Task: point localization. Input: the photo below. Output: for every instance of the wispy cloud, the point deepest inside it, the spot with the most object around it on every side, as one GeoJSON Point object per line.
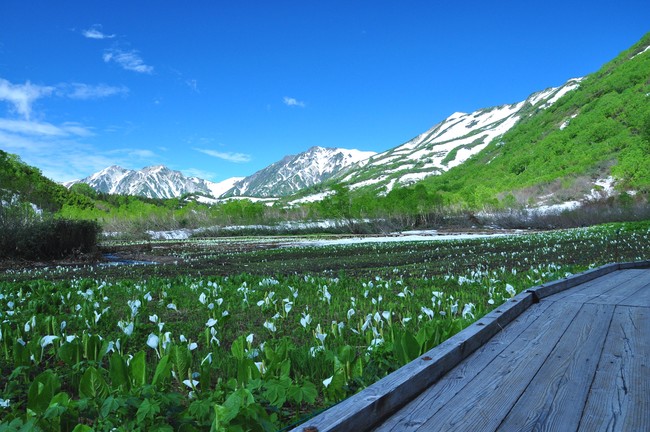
{"type": "Point", "coordinates": [227, 156]}
{"type": "Point", "coordinates": [63, 152]}
{"type": "Point", "coordinates": [289, 101]}
{"type": "Point", "coordinates": [88, 91]}
{"type": "Point", "coordinates": [202, 174]}
{"type": "Point", "coordinates": [22, 96]}
{"type": "Point", "coordinates": [139, 154]}
{"type": "Point", "coordinates": [193, 84]}
{"type": "Point", "coordinates": [128, 60]}
{"type": "Point", "coordinates": [58, 150]}
{"type": "Point", "coordinates": [26, 127]}
{"type": "Point", "coordinates": [95, 32]}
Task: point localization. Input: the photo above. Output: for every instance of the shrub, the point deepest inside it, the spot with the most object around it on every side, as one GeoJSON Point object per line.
{"type": "Point", "coordinates": [25, 236]}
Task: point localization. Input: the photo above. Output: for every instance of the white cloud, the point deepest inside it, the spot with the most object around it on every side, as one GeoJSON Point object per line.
{"type": "Point", "coordinates": [32, 128]}
{"type": "Point", "coordinates": [289, 101]}
{"type": "Point", "coordinates": [128, 60]}
{"type": "Point", "coordinates": [88, 91]}
{"type": "Point", "coordinates": [95, 32]}
{"type": "Point", "coordinates": [22, 96]}
{"type": "Point", "coordinates": [227, 156]}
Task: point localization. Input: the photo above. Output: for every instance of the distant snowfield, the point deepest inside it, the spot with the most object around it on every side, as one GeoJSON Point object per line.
{"type": "Point", "coordinates": [407, 236]}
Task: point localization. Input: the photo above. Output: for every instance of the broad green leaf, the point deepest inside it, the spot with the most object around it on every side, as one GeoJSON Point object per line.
{"type": "Point", "coordinates": [41, 391]}
{"type": "Point", "coordinates": [138, 369]}
{"type": "Point", "coordinates": [163, 371]}
{"type": "Point", "coordinates": [92, 346]}
{"type": "Point", "coordinates": [410, 346]}
{"type": "Point", "coordinates": [82, 428]}
{"type": "Point", "coordinates": [181, 358]}
{"type": "Point", "coordinates": [119, 372]}
{"type": "Point", "coordinates": [346, 354]}
{"type": "Point", "coordinates": [109, 406]}
{"type": "Point", "coordinates": [276, 391]}
{"type": "Point", "coordinates": [70, 352]}
{"type": "Point", "coordinates": [93, 385]}
{"type": "Point", "coordinates": [238, 348]}
{"type": "Point", "coordinates": [21, 355]}
{"type": "Point", "coordinates": [303, 393]}
{"type": "Point", "coordinates": [147, 409]}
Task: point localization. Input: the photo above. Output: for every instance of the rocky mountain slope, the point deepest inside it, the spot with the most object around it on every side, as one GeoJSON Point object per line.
{"type": "Point", "coordinates": [296, 172]}
{"type": "Point", "coordinates": [284, 177]}
{"type": "Point", "coordinates": [449, 143]}
{"type": "Point", "coordinates": [151, 182]}
{"type": "Point", "coordinates": [596, 137]}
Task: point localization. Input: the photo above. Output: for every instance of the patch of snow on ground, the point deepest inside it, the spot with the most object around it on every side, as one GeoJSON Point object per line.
{"type": "Point", "coordinates": [220, 188]}
{"type": "Point", "coordinates": [367, 182]}
{"type": "Point", "coordinates": [182, 234]}
{"type": "Point", "coordinates": [541, 96]}
{"type": "Point", "coordinates": [646, 49]}
{"type": "Point", "coordinates": [605, 188]}
{"type": "Point", "coordinates": [564, 90]}
{"type": "Point", "coordinates": [405, 167]}
{"type": "Point", "coordinates": [414, 177]}
{"type": "Point", "coordinates": [383, 160]}
{"type": "Point", "coordinates": [312, 198]}
{"type": "Point", "coordinates": [205, 200]}
{"type": "Point", "coordinates": [432, 236]}
{"type": "Point", "coordinates": [556, 208]}
{"type": "Point", "coordinates": [389, 187]}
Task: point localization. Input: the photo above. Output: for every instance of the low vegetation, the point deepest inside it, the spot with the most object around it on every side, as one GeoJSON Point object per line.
{"type": "Point", "coordinates": [198, 345]}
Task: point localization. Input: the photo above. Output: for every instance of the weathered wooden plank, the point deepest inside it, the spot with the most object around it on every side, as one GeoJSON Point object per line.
{"type": "Point", "coordinates": [492, 393]}
{"type": "Point", "coordinates": [619, 397]}
{"type": "Point", "coordinates": [640, 299]}
{"type": "Point", "coordinates": [602, 287]}
{"type": "Point", "coordinates": [411, 416]}
{"type": "Point", "coordinates": [625, 290]}
{"type": "Point", "coordinates": [554, 287]}
{"type": "Point", "coordinates": [634, 265]}
{"type": "Point", "coordinates": [555, 397]}
{"type": "Point", "coordinates": [381, 399]}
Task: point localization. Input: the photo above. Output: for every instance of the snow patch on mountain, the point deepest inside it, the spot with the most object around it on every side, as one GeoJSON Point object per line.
{"type": "Point", "coordinates": [152, 182]}
{"type": "Point", "coordinates": [449, 143]}
{"type": "Point", "coordinates": [297, 172]}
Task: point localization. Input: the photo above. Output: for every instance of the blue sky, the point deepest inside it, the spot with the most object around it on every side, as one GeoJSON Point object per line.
{"type": "Point", "coordinates": [220, 89]}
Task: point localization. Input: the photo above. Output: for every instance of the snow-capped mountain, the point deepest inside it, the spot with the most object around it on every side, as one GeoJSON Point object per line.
{"type": "Point", "coordinates": [152, 182]}
{"type": "Point", "coordinates": [447, 144]}
{"type": "Point", "coordinates": [297, 172]}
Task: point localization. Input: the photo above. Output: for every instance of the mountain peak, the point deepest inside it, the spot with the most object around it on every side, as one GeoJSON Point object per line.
{"type": "Point", "coordinates": [156, 181]}
{"type": "Point", "coordinates": [449, 143]}
{"type": "Point", "coordinates": [296, 172]}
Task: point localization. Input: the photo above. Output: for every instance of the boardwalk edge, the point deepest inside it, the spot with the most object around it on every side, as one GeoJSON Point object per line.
{"type": "Point", "coordinates": [378, 401]}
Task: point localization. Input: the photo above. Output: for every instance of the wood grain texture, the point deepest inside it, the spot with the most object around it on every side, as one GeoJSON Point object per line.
{"type": "Point", "coordinates": [411, 416]}
{"type": "Point", "coordinates": [493, 392]}
{"type": "Point", "coordinates": [539, 361]}
{"type": "Point", "coordinates": [554, 399]}
{"type": "Point", "coordinates": [619, 399]}
{"type": "Point", "coordinates": [630, 289]}
{"type": "Point", "coordinates": [592, 288]}
{"type": "Point", "coordinates": [378, 401]}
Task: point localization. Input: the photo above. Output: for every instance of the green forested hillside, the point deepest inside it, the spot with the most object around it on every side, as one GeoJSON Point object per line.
{"type": "Point", "coordinates": [20, 182]}
{"type": "Point", "coordinates": [600, 129]}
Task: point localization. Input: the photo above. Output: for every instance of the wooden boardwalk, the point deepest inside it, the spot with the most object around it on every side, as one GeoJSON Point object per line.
{"type": "Point", "coordinates": [573, 355]}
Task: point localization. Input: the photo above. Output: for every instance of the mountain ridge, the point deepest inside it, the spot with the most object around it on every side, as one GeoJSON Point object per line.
{"type": "Point", "coordinates": [155, 181]}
